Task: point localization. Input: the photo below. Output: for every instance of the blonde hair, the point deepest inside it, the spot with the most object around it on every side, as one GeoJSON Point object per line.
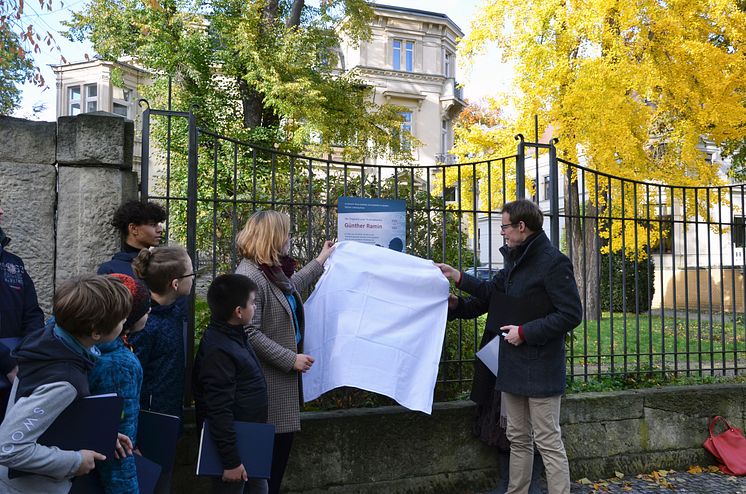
{"type": "Point", "coordinates": [91, 303]}
{"type": "Point", "coordinates": [159, 266]}
{"type": "Point", "coordinates": [263, 236]}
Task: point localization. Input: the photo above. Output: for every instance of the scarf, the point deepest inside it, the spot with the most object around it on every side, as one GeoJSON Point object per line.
{"type": "Point", "coordinates": [280, 275]}
{"type": "Point", "coordinates": [516, 252]}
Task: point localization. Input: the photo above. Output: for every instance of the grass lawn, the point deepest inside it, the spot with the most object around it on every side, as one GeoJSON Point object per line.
{"type": "Point", "coordinates": [627, 342]}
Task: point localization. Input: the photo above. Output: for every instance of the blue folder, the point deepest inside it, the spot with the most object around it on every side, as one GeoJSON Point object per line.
{"type": "Point", "coordinates": [89, 423]}
{"type": "Point", "coordinates": [148, 473]}
{"type": "Point", "coordinates": [157, 434]}
{"type": "Point", "coordinates": [255, 444]}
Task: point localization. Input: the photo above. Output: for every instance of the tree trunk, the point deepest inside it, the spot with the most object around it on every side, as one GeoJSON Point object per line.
{"type": "Point", "coordinates": [295, 12]}
{"type": "Point", "coordinates": [252, 103]}
{"type": "Point", "coordinates": [584, 245]}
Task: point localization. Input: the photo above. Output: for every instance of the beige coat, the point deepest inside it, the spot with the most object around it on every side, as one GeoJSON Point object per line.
{"type": "Point", "coordinates": [272, 335]}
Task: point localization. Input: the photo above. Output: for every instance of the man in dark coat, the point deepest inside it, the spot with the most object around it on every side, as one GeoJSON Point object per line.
{"type": "Point", "coordinates": [537, 288]}
{"type": "Point", "coordinates": [140, 224]}
{"type": "Point", "coordinates": [19, 308]}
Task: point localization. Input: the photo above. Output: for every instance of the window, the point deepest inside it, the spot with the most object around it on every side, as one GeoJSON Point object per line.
{"type": "Point", "coordinates": [444, 136]}
{"type": "Point", "coordinates": [406, 129]}
{"type": "Point", "coordinates": [449, 194]}
{"type": "Point", "coordinates": [121, 103]}
{"type": "Point", "coordinates": [666, 233]}
{"type": "Point", "coordinates": [73, 100]}
{"type": "Point", "coordinates": [405, 48]}
{"type": "Point", "coordinates": [739, 231]}
{"type": "Point", "coordinates": [120, 109]}
{"type": "Point", "coordinates": [91, 97]}
{"type": "Point", "coordinates": [546, 186]}
{"type": "Point", "coordinates": [448, 64]}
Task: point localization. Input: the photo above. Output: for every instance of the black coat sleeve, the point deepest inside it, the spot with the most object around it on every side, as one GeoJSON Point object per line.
{"type": "Point", "coordinates": [218, 380]}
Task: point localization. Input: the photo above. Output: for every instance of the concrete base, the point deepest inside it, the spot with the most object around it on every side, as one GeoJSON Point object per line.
{"type": "Point", "coordinates": [393, 450]}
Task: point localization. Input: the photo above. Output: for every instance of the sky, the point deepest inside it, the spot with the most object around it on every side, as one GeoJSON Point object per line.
{"type": "Point", "coordinates": [485, 76]}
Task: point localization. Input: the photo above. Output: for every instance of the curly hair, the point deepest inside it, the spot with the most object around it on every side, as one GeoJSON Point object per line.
{"type": "Point", "coordinates": [138, 213]}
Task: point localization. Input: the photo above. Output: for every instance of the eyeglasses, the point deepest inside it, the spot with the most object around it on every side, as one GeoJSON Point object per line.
{"type": "Point", "coordinates": [186, 276]}
{"type": "Point", "coordinates": [507, 225]}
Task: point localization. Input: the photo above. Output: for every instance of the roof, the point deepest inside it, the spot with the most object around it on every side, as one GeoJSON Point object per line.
{"type": "Point", "coordinates": [407, 10]}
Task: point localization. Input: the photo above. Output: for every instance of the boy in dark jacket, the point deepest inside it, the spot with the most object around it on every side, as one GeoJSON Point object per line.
{"type": "Point", "coordinates": [19, 308]}
{"type": "Point", "coordinates": [53, 364]}
{"type": "Point", "coordinates": [228, 380]}
{"type": "Point", "coordinates": [140, 224]}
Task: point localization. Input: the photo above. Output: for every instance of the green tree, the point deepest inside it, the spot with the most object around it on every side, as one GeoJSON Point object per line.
{"type": "Point", "coordinates": [18, 42]}
{"type": "Point", "coordinates": [261, 70]}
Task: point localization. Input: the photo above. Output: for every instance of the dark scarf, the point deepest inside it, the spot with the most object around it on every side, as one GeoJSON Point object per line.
{"type": "Point", "coordinates": [280, 275]}
{"type": "Point", "coordinates": [517, 251]}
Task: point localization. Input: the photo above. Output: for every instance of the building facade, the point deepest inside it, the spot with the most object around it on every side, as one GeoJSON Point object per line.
{"type": "Point", "coordinates": [100, 85]}
{"type": "Point", "coordinates": [410, 61]}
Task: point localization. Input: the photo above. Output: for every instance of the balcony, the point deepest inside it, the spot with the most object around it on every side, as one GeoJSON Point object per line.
{"type": "Point", "coordinates": [452, 98]}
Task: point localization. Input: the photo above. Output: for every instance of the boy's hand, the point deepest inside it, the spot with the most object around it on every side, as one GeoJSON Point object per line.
{"type": "Point", "coordinates": [237, 474]}
{"type": "Point", "coordinates": [89, 461]}
{"type": "Point", "coordinates": [123, 447]}
{"type": "Point", "coordinates": [303, 362]}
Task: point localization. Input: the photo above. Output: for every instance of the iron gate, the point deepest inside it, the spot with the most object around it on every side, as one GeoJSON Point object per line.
{"type": "Point", "coordinates": [660, 268]}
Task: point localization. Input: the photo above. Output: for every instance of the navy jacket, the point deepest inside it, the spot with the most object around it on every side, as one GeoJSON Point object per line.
{"type": "Point", "coordinates": [160, 346]}
{"type": "Point", "coordinates": [121, 262]}
{"type": "Point", "coordinates": [541, 275]}
{"type": "Point", "coordinates": [19, 308]}
{"type": "Point", "coordinates": [228, 385]}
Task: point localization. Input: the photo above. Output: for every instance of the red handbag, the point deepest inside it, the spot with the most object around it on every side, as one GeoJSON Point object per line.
{"type": "Point", "coordinates": [728, 447]}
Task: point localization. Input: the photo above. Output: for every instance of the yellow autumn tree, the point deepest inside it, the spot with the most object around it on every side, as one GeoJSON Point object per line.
{"type": "Point", "coordinates": [631, 89]}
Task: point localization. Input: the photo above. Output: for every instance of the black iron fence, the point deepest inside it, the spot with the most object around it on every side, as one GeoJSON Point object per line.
{"type": "Point", "coordinates": [660, 268]}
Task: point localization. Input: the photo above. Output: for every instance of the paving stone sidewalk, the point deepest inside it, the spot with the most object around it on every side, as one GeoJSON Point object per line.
{"type": "Point", "coordinates": [675, 482]}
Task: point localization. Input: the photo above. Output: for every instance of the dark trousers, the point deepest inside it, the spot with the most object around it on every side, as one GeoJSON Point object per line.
{"type": "Point", "coordinates": [280, 455]}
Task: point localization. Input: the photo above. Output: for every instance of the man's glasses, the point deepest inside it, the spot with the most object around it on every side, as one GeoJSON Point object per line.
{"type": "Point", "coordinates": [507, 225]}
{"type": "Point", "coordinates": [186, 276]}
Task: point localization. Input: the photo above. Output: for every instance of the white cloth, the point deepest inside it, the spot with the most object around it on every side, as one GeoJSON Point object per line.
{"type": "Point", "coordinates": [376, 321]}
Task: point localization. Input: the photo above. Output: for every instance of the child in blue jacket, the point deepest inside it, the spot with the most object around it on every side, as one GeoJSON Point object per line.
{"type": "Point", "coordinates": [118, 370]}
{"type": "Point", "coordinates": [168, 273]}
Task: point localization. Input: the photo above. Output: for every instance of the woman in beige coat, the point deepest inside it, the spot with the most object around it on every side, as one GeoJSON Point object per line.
{"type": "Point", "coordinates": [276, 332]}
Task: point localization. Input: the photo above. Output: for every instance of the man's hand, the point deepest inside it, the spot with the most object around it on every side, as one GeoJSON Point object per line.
{"type": "Point", "coordinates": [303, 362]}
{"type": "Point", "coordinates": [452, 301]}
{"type": "Point", "coordinates": [237, 474]}
{"type": "Point", "coordinates": [513, 336]}
{"type": "Point", "coordinates": [12, 374]}
{"type": "Point", "coordinates": [123, 447]}
{"type": "Point", "coordinates": [89, 461]}
{"type": "Point", "coordinates": [449, 272]}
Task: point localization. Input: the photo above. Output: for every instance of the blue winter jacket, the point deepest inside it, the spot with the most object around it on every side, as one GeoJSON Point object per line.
{"type": "Point", "coordinates": [121, 262]}
{"type": "Point", "coordinates": [19, 308]}
{"type": "Point", "coordinates": [118, 371]}
{"type": "Point", "coordinates": [160, 348]}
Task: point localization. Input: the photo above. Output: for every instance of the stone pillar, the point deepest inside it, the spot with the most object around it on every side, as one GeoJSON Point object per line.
{"type": "Point", "coordinates": [94, 157]}
{"type": "Point", "coordinates": [27, 195]}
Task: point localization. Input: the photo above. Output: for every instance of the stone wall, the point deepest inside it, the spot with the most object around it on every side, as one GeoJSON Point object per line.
{"type": "Point", "coordinates": [60, 183]}
{"type": "Point", "coordinates": [393, 450]}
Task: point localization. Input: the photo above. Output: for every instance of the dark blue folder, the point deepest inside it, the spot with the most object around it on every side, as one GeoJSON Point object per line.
{"type": "Point", "coordinates": [148, 473]}
{"type": "Point", "coordinates": [157, 434]}
{"type": "Point", "coordinates": [255, 444]}
{"type": "Point", "coordinates": [89, 423]}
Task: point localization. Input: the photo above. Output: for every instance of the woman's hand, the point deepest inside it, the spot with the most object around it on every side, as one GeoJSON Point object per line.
{"type": "Point", "coordinates": [303, 362]}
{"type": "Point", "coordinates": [449, 272]}
{"type": "Point", "coordinates": [326, 251]}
